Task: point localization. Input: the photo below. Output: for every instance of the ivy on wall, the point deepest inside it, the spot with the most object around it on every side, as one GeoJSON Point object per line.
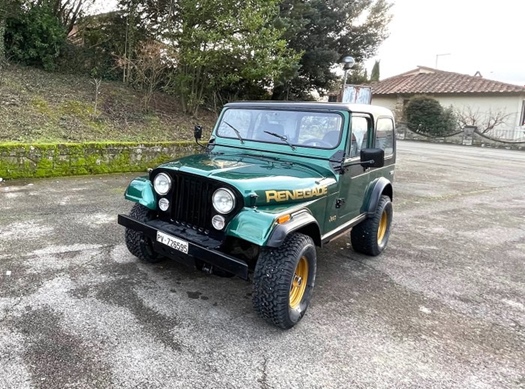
{"type": "Point", "coordinates": [53, 160]}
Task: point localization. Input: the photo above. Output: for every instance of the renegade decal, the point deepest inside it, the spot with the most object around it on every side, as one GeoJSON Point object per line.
{"type": "Point", "coordinates": [283, 195]}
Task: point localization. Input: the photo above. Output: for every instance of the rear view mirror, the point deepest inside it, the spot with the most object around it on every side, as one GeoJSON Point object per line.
{"type": "Point", "coordinates": [372, 158]}
{"type": "Point", "coordinates": [197, 132]}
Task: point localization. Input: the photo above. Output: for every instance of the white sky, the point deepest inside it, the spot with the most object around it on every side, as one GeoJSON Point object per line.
{"type": "Point", "coordinates": [488, 36]}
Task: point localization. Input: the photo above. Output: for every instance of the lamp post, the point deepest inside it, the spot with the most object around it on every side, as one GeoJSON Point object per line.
{"type": "Point", "coordinates": [348, 63]}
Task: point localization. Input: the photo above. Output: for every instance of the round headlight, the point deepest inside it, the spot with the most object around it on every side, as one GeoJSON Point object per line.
{"type": "Point", "coordinates": [218, 222]}
{"type": "Point", "coordinates": [223, 200]}
{"type": "Point", "coordinates": [164, 204]}
{"type": "Point", "coordinates": [162, 183]}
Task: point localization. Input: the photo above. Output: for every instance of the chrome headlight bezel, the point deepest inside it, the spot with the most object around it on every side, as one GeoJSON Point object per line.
{"type": "Point", "coordinates": [223, 192]}
{"type": "Point", "coordinates": [164, 204]}
{"type": "Point", "coordinates": [157, 186]}
{"type": "Point", "coordinates": [218, 222]}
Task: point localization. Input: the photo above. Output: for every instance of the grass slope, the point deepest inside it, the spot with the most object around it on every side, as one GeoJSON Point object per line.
{"type": "Point", "coordinates": [38, 106]}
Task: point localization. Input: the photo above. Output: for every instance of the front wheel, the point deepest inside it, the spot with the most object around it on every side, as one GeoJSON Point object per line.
{"type": "Point", "coordinates": [135, 241]}
{"type": "Point", "coordinates": [284, 279]}
{"type": "Point", "coordinates": [370, 237]}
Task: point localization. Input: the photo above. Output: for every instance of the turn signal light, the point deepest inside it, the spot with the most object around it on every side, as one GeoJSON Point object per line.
{"type": "Point", "coordinates": [283, 219]}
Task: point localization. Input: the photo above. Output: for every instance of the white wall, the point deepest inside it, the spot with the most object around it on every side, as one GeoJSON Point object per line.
{"type": "Point", "coordinates": [481, 107]}
{"type": "Point", "coordinates": [387, 102]}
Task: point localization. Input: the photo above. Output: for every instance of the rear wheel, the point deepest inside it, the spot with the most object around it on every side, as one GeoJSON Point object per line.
{"type": "Point", "coordinates": [370, 237]}
{"type": "Point", "coordinates": [284, 279]}
{"type": "Point", "coordinates": [135, 241]}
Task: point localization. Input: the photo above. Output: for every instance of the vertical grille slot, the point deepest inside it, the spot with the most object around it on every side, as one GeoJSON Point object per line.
{"type": "Point", "coordinates": [192, 196]}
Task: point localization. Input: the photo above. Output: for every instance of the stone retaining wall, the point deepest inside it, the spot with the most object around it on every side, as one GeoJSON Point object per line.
{"type": "Point", "coordinates": [49, 160]}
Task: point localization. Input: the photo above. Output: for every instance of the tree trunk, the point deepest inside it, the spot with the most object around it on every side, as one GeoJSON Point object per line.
{"type": "Point", "coordinates": [279, 92]}
{"type": "Point", "coordinates": [2, 41]}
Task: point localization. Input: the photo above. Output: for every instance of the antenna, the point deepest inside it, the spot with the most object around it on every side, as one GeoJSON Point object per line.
{"type": "Point", "coordinates": [440, 55]}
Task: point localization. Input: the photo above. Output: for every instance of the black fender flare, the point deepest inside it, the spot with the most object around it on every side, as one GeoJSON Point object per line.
{"type": "Point", "coordinates": [303, 221]}
{"type": "Point", "coordinates": [374, 192]}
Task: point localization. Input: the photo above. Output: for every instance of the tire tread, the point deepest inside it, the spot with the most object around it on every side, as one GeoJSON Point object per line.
{"type": "Point", "coordinates": [134, 238]}
{"type": "Point", "coordinates": [364, 235]}
{"type": "Point", "coordinates": [271, 285]}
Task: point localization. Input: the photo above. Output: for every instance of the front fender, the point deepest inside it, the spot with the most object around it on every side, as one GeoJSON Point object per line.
{"type": "Point", "coordinates": [301, 220]}
{"type": "Point", "coordinates": [262, 229]}
{"type": "Point", "coordinates": [252, 225]}
{"type": "Point", "coordinates": [141, 191]}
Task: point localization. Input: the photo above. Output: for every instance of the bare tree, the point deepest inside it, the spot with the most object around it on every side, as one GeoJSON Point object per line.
{"type": "Point", "coordinates": [96, 82]}
{"type": "Point", "coordinates": [485, 121]}
{"type": "Point", "coordinates": [148, 70]}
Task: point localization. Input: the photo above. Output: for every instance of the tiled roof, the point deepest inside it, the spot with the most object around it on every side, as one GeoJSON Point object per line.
{"type": "Point", "coordinates": [425, 80]}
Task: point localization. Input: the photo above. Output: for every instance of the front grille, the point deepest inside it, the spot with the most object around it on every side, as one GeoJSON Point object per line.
{"type": "Point", "coordinates": [192, 200]}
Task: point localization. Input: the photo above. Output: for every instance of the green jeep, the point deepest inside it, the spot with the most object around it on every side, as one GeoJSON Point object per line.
{"type": "Point", "coordinates": [276, 179]}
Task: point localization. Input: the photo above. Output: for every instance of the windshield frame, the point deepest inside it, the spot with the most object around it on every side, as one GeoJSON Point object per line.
{"type": "Point", "coordinates": [247, 134]}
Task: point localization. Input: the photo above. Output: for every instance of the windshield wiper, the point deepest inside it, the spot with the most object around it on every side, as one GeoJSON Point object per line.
{"type": "Point", "coordinates": [281, 137]}
{"type": "Point", "coordinates": [236, 131]}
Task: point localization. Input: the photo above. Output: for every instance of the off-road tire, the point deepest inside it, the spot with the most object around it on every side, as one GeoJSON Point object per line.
{"type": "Point", "coordinates": [274, 277]}
{"type": "Point", "coordinates": [135, 240]}
{"type": "Point", "coordinates": [370, 237]}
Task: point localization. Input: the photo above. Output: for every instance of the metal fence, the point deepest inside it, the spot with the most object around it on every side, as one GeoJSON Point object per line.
{"type": "Point", "coordinates": [516, 134]}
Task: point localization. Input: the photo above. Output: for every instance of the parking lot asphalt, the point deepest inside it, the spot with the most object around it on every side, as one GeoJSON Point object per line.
{"type": "Point", "coordinates": [442, 307]}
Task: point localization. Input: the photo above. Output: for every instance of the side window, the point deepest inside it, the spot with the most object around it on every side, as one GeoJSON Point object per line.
{"type": "Point", "coordinates": [385, 135]}
{"type": "Point", "coordinates": [360, 126]}
{"type": "Point", "coordinates": [321, 130]}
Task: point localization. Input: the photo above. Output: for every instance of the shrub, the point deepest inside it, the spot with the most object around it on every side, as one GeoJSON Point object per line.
{"type": "Point", "coordinates": [426, 115]}
{"type": "Point", "coordinates": [35, 37]}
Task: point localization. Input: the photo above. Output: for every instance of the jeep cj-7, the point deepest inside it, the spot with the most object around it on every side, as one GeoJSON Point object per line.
{"type": "Point", "coordinates": [275, 181]}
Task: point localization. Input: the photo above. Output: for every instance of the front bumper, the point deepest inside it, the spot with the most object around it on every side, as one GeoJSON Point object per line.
{"type": "Point", "coordinates": [199, 247]}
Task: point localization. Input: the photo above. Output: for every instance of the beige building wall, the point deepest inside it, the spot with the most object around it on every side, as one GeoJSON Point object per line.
{"type": "Point", "coordinates": [387, 102]}
{"type": "Point", "coordinates": [481, 107]}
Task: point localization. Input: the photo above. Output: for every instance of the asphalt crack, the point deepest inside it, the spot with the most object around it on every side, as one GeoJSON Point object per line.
{"type": "Point", "coordinates": [264, 375]}
{"type": "Point", "coordinates": [9, 309]}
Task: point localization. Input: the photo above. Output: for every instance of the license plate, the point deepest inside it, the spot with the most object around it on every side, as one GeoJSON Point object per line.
{"type": "Point", "coordinates": [171, 241]}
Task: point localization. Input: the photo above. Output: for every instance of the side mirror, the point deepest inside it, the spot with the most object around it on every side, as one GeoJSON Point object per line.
{"type": "Point", "coordinates": [197, 133]}
{"type": "Point", "coordinates": [372, 158]}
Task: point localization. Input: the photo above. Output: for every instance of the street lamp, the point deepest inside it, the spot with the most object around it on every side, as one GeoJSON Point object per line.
{"type": "Point", "coordinates": [348, 63]}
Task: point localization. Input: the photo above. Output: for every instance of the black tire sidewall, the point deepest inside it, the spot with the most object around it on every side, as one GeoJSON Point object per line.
{"type": "Point", "coordinates": [135, 239]}
{"type": "Point", "coordinates": [273, 277]}
{"type": "Point", "coordinates": [364, 235]}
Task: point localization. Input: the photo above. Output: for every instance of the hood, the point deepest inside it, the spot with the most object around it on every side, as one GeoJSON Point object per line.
{"type": "Point", "coordinates": [269, 179]}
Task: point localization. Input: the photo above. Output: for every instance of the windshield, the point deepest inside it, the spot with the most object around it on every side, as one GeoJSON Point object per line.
{"type": "Point", "coordinates": [295, 128]}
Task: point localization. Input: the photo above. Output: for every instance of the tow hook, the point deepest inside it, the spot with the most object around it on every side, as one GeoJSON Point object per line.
{"type": "Point", "coordinates": [146, 243]}
{"type": "Point", "coordinates": [208, 269]}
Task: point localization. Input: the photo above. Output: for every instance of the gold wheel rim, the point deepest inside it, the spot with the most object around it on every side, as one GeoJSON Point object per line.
{"type": "Point", "coordinates": [299, 281]}
{"type": "Point", "coordinates": [381, 231]}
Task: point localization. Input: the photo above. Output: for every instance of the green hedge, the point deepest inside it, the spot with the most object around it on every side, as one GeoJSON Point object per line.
{"type": "Point", "coordinates": [51, 160]}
